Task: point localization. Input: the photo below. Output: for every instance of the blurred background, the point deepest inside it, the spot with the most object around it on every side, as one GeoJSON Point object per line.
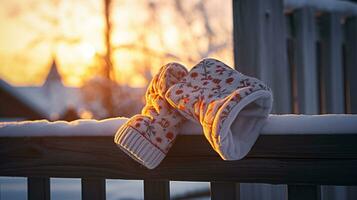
{"type": "Point", "coordinates": [78, 59]}
{"type": "Point", "coordinates": [93, 59]}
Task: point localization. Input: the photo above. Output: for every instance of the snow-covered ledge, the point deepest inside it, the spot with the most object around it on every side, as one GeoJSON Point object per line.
{"type": "Point", "coordinates": [345, 7]}
{"type": "Point", "coordinates": [275, 125]}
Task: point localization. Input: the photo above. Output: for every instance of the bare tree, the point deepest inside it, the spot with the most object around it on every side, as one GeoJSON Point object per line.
{"type": "Point", "coordinates": [108, 68]}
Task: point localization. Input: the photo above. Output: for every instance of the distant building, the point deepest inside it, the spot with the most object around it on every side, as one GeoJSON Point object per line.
{"type": "Point", "coordinates": [55, 101]}
{"type": "Point", "coordinates": [15, 106]}
{"type": "Point", "coordinates": [50, 101]}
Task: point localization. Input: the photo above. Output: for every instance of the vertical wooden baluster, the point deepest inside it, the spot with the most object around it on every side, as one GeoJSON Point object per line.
{"type": "Point", "coordinates": [305, 61]}
{"type": "Point", "coordinates": [351, 64]}
{"type": "Point", "coordinates": [304, 192]}
{"type": "Point", "coordinates": [225, 190]}
{"type": "Point", "coordinates": [93, 189]}
{"type": "Point", "coordinates": [332, 75]}
{"type": "Point", "coordinates": [332, 83]}
{"type": "Point", "coordinates": [156, 190]}
{"type": "Point", "coordinates": [260, 46]}
{"type": "Point", "coordinates": [38, 188]}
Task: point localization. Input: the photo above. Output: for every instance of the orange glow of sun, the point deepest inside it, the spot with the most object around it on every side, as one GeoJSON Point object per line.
{"type": "Point", "coordinates": [145, 35]}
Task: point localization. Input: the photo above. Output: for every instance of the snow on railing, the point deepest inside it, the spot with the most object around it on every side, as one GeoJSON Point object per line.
{"type": "Point", "coordinates": [345, 7]}
{"type": "Point", "coordinates": [275, 125]}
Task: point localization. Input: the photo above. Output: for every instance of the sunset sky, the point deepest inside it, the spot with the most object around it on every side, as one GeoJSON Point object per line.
{"type": "Point", "coordinates": [146, 34]}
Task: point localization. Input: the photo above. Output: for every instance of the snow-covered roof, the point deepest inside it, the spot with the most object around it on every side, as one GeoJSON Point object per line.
{"type": "Point", "coordinates": [50, 99]}
{"type": "Point", "coordinates": [54, 100]}
{"type": "Point", "coordinates": [275, 125]}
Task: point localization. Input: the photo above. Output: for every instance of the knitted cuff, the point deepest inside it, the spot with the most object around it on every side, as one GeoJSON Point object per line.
{"type": "Point", "coordinates": [137, 146]}
{"type": "Point", "coordinates": [238, 122]}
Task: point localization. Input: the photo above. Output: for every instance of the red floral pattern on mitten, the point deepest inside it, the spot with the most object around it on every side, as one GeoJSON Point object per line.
{"type": "Point", "coordinates": [148, 137]}
{"type": "Point", "coordinates": [218, 97]}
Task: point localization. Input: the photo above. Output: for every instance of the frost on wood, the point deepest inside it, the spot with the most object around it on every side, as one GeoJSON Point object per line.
{"type": "Point", "coordinates": [275, 125]}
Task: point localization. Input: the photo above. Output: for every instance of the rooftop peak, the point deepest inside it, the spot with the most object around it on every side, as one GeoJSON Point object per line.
{"type": "Point", "coordinates": [53, 74]}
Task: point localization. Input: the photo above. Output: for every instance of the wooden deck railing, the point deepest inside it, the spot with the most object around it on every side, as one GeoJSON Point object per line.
{"type": "Point", "coordinates": [277, 159]}
{"type": "Point", "coordinates": [307, 56]}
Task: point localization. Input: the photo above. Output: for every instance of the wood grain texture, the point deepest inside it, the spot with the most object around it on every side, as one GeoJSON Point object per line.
{"type": "Point", "coordinates": [38, 188]}
{"type": "Point", "coordinates": [332, 73]}
{"type": "Point", "coordinates": [323, 159]}
{"type": "Point", "coordinates": [93, 189]}
{"type": "Point", "coordinates": [260, 46]}
{"type": "Point", "coordinates": [305, 61]}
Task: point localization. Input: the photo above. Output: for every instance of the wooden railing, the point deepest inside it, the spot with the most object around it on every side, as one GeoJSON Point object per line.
{"type": "Point", "coordinates": [308, 57]}
{"type": "Point", "coordinates": [307, 53]}
{"type": "Point", "coordinates": [277, 159]}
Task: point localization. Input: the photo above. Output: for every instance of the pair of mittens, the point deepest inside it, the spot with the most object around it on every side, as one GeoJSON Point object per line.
{"type": "Point", "coordinates": [230, 106]}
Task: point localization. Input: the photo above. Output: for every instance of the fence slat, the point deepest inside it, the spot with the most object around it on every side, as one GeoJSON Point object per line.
{"type": "Point", "coordinates": [332, 82]}
{"type": "Point", "coordinates": [93, 189]}
{"type": "Point", "coordinates": [156, 190]}
{"type": "Point", "coordinates": [305, 61]}
{"type": "Point", "coordinates": [351, 64]}
{"type": "Point", "coordinates": [225, 190]}
{"type": "Point", "coordinates": [304, 192]}
{"type": "Point", "coordinates": [260, 46]}
{"type": "Point", "coordinates": [38, 188]}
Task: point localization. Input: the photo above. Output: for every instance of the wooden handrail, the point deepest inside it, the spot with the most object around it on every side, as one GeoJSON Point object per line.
{"type": "Point", "coordinates": [289, 159]}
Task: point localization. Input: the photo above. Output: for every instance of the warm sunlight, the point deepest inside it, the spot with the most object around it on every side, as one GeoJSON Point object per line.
{"type": "Point", "coordinates": [34, 32]}
{"type": "Point", "coordinates": [87, 51]}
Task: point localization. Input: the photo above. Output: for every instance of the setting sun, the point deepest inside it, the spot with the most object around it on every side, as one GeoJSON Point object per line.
{"type": "Point", "coordinates": [87, 51]}
{"type": "Point", "coordinates": [74, 33]}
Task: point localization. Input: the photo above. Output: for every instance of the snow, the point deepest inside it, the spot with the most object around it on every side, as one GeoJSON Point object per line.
{"type": "Point", "coordinates": [275, 125]}
{"type": "Point", "coordinates": [53, 98]}
{"type": "Point", "coordinates": [311, 124]}
{"type": "Point", "coordinates": [344, 7]}
{"type": "Point", "coordinates": [80, 127]}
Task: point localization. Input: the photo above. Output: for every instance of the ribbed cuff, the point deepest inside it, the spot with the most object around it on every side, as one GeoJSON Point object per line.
{"type": "Point", "coordinates": [138, 147]}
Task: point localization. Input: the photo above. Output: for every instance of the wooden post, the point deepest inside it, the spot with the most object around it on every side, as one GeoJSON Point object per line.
{"type": "Point", "coordinates": [351, 64]}
{"type": "Point", "coordinates": [332, 83]}
{"type": "Point", "coordinates": [351, 81]}
{"type": "Point", "coordinates": [303, 192]}
{"type": "Point", "coordinates": [225, 190]}
{"type": "Point", "coordinates": [305, 61]}
{"type": "Point", "coordinates": [332, 94]}
{"type": "Point", "coordinates": [260, 46]}
{"type": "Point", "coordinates": [38, 188]}
{"type": "Point", "coordinates": [156, 190]}
{"type": "Point", "coordinates": [93, 189]}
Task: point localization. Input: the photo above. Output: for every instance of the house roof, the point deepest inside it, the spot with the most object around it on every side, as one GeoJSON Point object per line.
{"type": "Point", "coordinates": [22, 98]}
{"type": "Point", "coordinates": [53, 74]}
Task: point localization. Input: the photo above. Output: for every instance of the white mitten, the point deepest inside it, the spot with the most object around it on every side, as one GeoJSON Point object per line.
{"type": "Point", "coordinates": [230, 106]}
{"type": "Point", "coordinates": [148, 137]}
